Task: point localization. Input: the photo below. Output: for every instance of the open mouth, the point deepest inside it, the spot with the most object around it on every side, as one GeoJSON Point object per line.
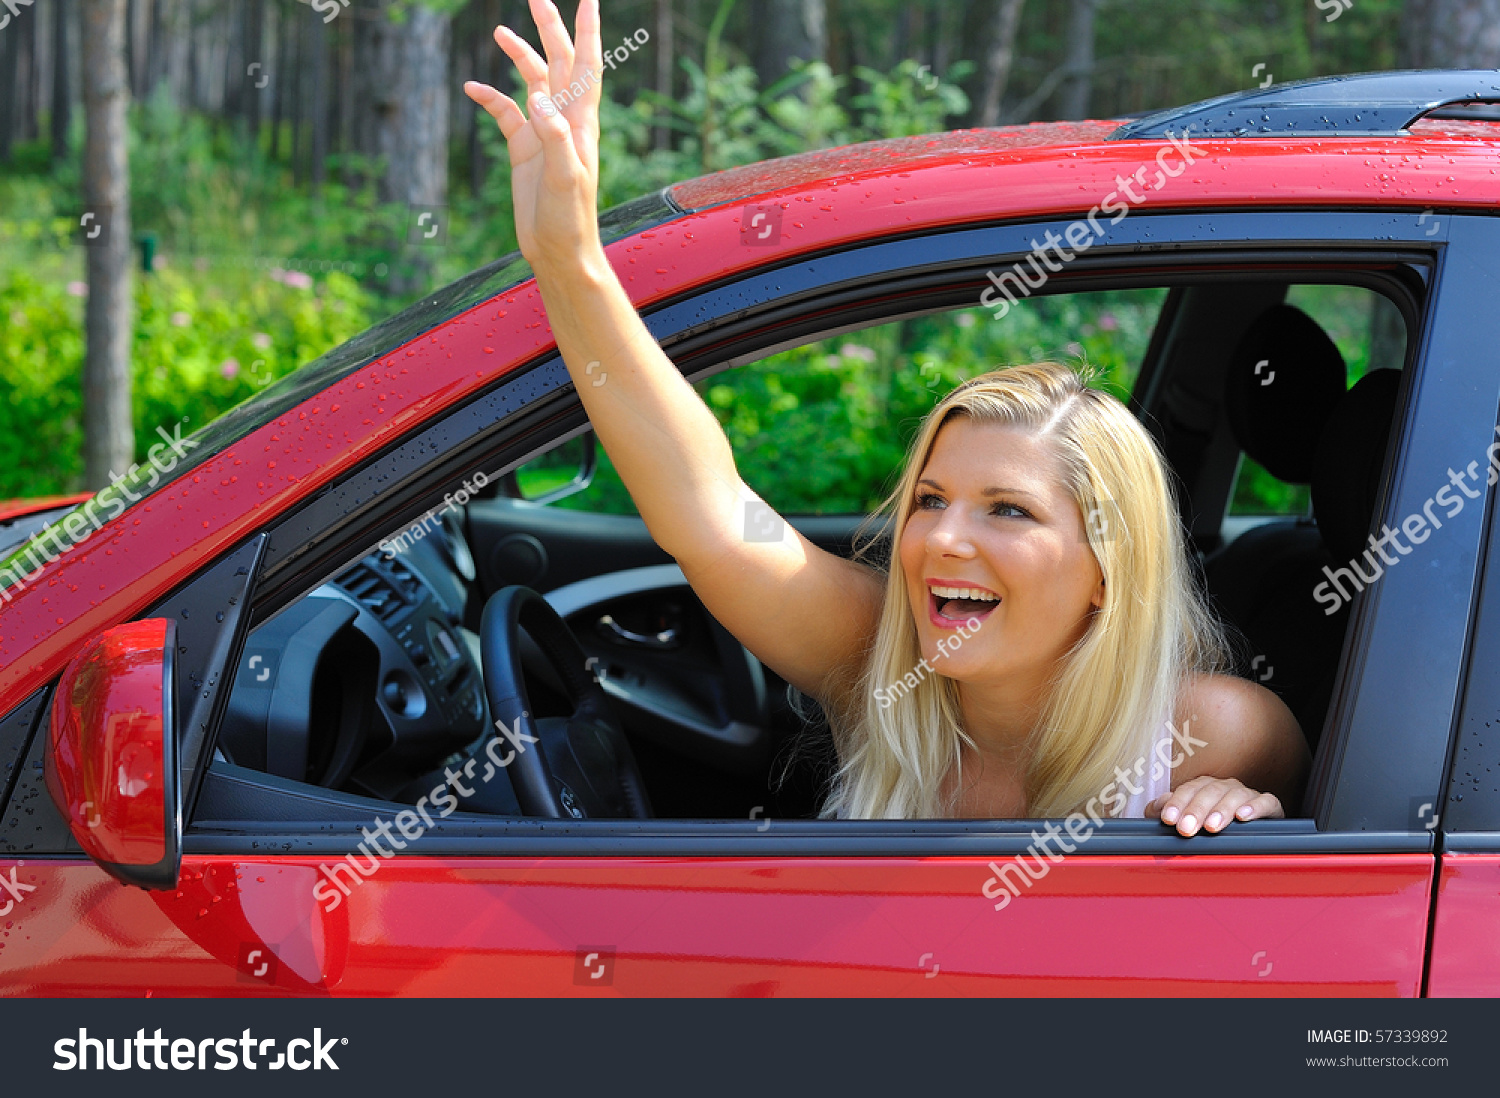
{"type": "Point", "coordinates": [961, 603]}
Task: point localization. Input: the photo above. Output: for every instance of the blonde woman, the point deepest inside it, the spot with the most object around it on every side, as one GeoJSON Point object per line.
{"type": "Point", "coordinates": [1036, 646]}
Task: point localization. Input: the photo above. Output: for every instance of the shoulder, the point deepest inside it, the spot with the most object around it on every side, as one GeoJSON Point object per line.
{"type": "Point", "coordinates": [1243, 731]}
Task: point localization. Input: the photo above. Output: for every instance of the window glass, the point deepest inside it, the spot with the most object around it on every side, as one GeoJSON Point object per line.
{"type": "Point", "coordinates": [1369, 332]}
{"type": "Point", "coordinates": [822, 428]}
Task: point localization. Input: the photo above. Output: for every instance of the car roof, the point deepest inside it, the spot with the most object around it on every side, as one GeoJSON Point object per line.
{"type": "Point", "coordinates": [1410, 112]}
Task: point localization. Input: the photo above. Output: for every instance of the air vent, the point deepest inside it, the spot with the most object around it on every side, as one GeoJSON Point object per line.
{"type": "Point", "coordinates": [385, 592]}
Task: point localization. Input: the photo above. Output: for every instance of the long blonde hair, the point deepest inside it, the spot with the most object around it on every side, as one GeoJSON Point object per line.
{"type": "Point", "coordinates": [1112, 690]}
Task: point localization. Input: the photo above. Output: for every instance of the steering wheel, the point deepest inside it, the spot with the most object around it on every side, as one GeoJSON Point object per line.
{"type": "Point", "coordinates": [579, 766]}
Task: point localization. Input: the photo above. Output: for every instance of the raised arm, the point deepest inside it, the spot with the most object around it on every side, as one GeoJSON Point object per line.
{"type": "Point", "coordinates": [804, 612]}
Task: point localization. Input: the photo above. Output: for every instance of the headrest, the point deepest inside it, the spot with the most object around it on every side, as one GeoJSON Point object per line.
{"type": "Point", "coordinates": [1346, 468]}
{"type": "Point", "coordinates": [1284, 379]}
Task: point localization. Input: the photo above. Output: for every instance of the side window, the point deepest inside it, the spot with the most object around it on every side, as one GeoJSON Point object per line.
{"type": "Point", "coordinates": [821, 428]}
{"type": "Point", "coordinates": [1370, 334]}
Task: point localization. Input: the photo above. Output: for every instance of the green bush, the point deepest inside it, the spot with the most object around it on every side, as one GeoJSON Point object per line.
{"type": "Point", "coordinates": [824, 428]}
{"type": "Point", "coordinates": [198, 351]}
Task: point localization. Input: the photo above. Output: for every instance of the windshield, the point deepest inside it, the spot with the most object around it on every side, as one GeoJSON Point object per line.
{"type": "Point", "coordinates": [181, 454]}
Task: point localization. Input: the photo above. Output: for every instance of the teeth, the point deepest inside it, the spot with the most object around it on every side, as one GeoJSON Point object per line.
{"type": "Point", "coordinates": [963, 593]}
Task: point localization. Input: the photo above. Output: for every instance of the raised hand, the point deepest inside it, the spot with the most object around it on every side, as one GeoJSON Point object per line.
{"type": "Point", "coordinates": [554, 155]}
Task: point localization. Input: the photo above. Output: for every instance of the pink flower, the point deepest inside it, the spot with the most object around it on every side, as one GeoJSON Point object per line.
{"type": "Point", "coordinates": [261, 340]}
{"type": "Point", "coordinates": [230, 367]}
{"type": "Point", "coordinates": [180, 319]}
{"type": "Point", "coordinates": [298, 279]}
{"type": "Point", "coordinates": [1107, 322]}
{"type": "Point", "coordinates": [78, 289]}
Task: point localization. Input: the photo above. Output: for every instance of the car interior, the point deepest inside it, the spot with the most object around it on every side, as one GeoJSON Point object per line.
{"type": "Point", "coordinates": [537, 610]}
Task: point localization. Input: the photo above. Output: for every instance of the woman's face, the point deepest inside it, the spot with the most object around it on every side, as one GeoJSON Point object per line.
{"type": "Point", "coordinates": [991, 518]}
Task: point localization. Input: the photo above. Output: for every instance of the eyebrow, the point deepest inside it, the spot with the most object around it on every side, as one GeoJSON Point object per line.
{"type": "Point", "coordinates": [987, 492]}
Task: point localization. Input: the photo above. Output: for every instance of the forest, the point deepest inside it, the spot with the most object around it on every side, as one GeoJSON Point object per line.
{"type": "Point", "coordinates": [275, 176]}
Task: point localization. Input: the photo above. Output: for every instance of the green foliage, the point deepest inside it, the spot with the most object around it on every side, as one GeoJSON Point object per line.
{"type": "Point", "coordinates": [817, 428]}
{"type": "Point", "coordinates": [198, 352]}
{"type": "Point", "coordinates": [824, 428]}
{"type": "Point", "coordinates": [41, 357]}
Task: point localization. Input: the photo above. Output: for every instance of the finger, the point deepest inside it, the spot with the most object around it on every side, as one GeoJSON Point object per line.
{"type": "Point", "coordinates": [528, 63]}
{"type": "Point", "coordinates": [1199, 806]}
{"type": "Point", "coordinates": [1264, 806]}
{"type": "Point", "coordinates": [1226, 811]}
{"type": "Point", "coordinates": [583, 113]}
{"type": "Point", "coordinates": [501, 107]}
{"type": "Point", "coordinates": [1174, 802]}
{"type": "Point", "coordinates": [561, 164]}
{"type": "Point", "coordinates": [556, 43]}
{"type": "Point", "coordinates": [586, 42]}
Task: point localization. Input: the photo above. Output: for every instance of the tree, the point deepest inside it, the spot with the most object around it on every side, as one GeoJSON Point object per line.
{"type": "Point", "coordinates": [784, 29]}
{"type": "Point", "coordinates": [10, 47]}
{"type": "Point", "coordinates": [1451, 34]}
{"type": "Point", "coordinates": [109, 440]}
{"type": "Point", "coordinates": [62, 102]}
{"type": "Point", "coordinates": [401, 107]}
{"type": "Point", "coordinates": [998, 60]}
{"type": "Point", "coordinates": [1079, 82]}
{"type": "Point", "coordinates": [661, 136]}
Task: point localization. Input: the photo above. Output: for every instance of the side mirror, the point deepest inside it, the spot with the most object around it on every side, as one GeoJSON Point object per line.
{"type": "Point", "coordinates": [557, 474]}
{"type": "Point", "coordinates": [111, 754]}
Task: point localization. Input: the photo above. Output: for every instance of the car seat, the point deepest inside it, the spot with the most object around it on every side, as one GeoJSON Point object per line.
{"type": "Point", "coordinates": [1283, 384]}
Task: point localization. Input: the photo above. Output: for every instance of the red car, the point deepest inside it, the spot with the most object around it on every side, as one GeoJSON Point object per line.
{"type": "Point", "coordinates": [317, 702]}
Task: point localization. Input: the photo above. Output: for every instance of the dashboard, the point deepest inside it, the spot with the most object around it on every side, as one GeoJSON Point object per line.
{"type": "Point", "coordinates": [369, 680]}
{"type": "Point", "coordinates": [373, 682]}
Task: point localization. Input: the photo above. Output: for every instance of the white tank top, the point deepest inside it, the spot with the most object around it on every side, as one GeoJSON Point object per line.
{"type": "Point", "coordinates": [1156, 775]}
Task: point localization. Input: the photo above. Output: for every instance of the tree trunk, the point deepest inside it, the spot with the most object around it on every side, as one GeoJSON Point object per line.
{"type": "Point", "coordinates": [345, 85]}
{"type": "Point", "coordinates": [156, 48]}
{"type": "Point", "coordinates": [481, 46]}
{"type": "Point", "coordinates": [191, 100]}
{"type": "Point", "coordinates": [318, 42]}
{"type": "Point", "coordinates": [280, 77]}
{"type": "Point", "coordinates": [62, 102]}
{"type": "Point", "coordinates": [255, 54]}
{"type": "Point", "coordinates": [10, 48]}
{"type": "Point", "coordinates": [999, 59]}
{"type": "Point", "coordinates": [1074, 99]}
{"type": "Point", "coordinates": [402, 112]}
{"type": "Point", "coordinates": [298, 40]}
{"type": "Point", "coordinates": [785, 29]}
{"type": "Point", "coordinates": [109, 438]}
{"type": "Point", "coordinates": [1450, 34]}
{"type": "Point", "coordinates": [661, 136]}
{"type": "Point", "coordinates": [235, 88]}
{"type": "Point", "coordinates": [30, 84]}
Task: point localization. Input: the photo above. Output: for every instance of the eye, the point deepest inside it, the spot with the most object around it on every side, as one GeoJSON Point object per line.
{"type": "Point", "coordinates": [929, 501]}
{"type": "Point", "coordinates": [1010, 509]}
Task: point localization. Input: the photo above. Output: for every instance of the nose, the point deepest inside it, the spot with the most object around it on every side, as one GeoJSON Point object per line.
{"type": "Point", "coordinates": [949, 535]}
